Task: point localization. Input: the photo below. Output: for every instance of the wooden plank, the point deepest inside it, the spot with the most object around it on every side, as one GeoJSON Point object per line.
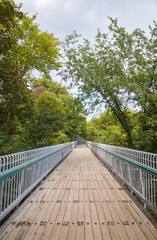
{"type": "Point", "coordinates": [55, 206]}
{"type": "Point", "coordinates": [22, 226]}
{"type": "Point", "coordinates": [42, 219]}
{"type": "Point", "coordinates": [59, 218]}
{"type": "Point", "coordinates": [139, 218]}
{"type": "Point", "coordinates": [102, 220]}
{"type": "Point", "coordinates": [36, 209]}
{"type": "Point", "coordinates": [25, 211]}
{"type": "Point", "coordinates": [17, 219]}
{"type": "Point", "coordinates": [80, 214]}
{"type": "Point", "coordinates": [94, 215]}
{"type": "Point", "coordinates": [74, 209]}
{"type": "Point", "coordinates": [136, 226]}
{"type": "Point", "coordinates": [80, 200]}
{"type": "Point", "coordinates": [108, 219]}
{"type": "Point", "coordinates": [99, 189]}
{"type": "Point", "coordinates": [123, 226]}
{"type": "Point", "coordinates": [87, 212]}
{"type": "Point", "coordinates": [121, 206]}
{"type": "Point", "coordinates": [53, 212]}
{"type": "Point", "coordinates": [66, 219]}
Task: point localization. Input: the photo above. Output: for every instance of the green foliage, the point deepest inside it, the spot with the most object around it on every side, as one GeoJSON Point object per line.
{"type": "Point", "coordinates": [106, 129]}
{"type": "Point", "coordinates": [60, 114]}
{"type": "Point", "coordinates": [147, 138]}
{"type": "Point", "coordinates": [41, 49]}
{"type": "Point", "coordinates": [34, 112]}
{"type": "Point", "coordinates": [59, 137]}
{"type": "Point", "coordinates": [56, 117]}
{"type": "Point", "coordinates": [74, 119]}
{"type": "Point", "coordinates": [119, 69]}
{"type": "Point", "coordinates": [9, 11]}
{"type": "Point", "coordinates": [47, 119]}
{"type": "Point", "coordinates": [49, 85]}
{"type": "Point", "coordinates": [27, 49]}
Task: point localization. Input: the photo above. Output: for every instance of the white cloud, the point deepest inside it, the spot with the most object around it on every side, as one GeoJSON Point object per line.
{"type": "Point", "coordinates": [86, 16]}
{"type": "Point", "coordinates": [41, 3]}
{"type": "Point", "coordinates": [71, 7]}
{"type": "Point", "coordinates": [64, 7]}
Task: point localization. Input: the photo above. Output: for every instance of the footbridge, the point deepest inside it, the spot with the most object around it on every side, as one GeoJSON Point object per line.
{"type": "Point", "coordinates": [77, 192]}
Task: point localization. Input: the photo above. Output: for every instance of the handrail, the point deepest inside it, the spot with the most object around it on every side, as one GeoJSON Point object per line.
{"type": "Point", "coordinates": [22, 172]}
{"type": "Point", "coordinates": [144, 159]}
{"type": "Point", "coordinates": [17, 169]}
{"type": "Point", "coordinates": [139, 172]}
{"type": "Point", "coordinates": [132, 162]}
{"type": "Point", "coordinates": [13, 160]}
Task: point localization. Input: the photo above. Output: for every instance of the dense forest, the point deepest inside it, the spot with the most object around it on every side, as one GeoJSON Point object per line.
{"type": "Point", "coordinates": [34, 112]}
{"type": "Point", "coordinates": [118, 70]}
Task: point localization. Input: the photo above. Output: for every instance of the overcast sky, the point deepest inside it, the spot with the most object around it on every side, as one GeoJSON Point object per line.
{"type": "Point", "coordinates": [85, 16]}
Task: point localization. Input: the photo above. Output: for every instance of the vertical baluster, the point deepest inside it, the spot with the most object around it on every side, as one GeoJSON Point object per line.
{"type": "Point", "coordinates": [1, 196]}
{"type": "Point", "coordinates": [14, 187]}
{"type": "Point", "coordinates": [155, 181]}
{"type": "Point", "coordinates": [146, 186]}
{"type": "Point", "coordinates": [8, 194]}
{"type": "Point", "coordinates": [142, 184]}
{"type": "Point", "coordinates": [5, 192]}
{"type": "Point", "coordinates": [151, 189]}
{"type": "Point", "coordinates": [11, 189]}
{"type": "Point", "coordinates": [20, 183]}
{"type": "Point", "coordinates": [17, 176]}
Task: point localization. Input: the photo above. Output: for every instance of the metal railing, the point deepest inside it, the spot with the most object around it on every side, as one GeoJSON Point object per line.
{"type": "Point", "coordinates": [136, 168]}
{"type": "Point", "coordinates": [21, 172]}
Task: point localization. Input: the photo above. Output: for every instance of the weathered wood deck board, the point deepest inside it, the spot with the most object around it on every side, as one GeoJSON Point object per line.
{"type": "Point", "coordinates": [80, 201]}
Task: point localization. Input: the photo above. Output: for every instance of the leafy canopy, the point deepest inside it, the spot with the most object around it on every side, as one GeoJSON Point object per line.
{"type": "Point", "coordinates": [119, 69]}
{"type": "Point", "coordinates": [26, 48]}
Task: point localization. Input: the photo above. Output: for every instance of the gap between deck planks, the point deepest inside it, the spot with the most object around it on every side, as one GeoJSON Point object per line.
{"type": "Point", "coordinates": [80, 201]}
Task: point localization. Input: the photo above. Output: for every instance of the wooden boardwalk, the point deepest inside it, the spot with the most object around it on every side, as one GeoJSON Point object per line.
{"type": "Point", "coordinates": [80, 200]}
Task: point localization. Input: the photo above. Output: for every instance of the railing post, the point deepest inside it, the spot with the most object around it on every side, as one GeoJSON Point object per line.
{"type": "Point", "coordinates": [21, 183]}
{"type": "Point", "coordinates": [142, 184]}
{"type": "Point", "coordinates": [140, 174]}
{"type": "Point", "coordinates": [1, 195]}
{"type": "Point", "coordinates": [21, 172]}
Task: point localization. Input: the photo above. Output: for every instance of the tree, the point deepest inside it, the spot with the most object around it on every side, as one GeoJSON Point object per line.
{"type": "Point", "coordinates": [107, 129]}
{"type": "Point", "coordinates": [34, 112]}
{"type": "Point", "coordinates": [50, 85]}
{"type": "Point", "coordinates": [47, 119]}
{"type": "Point", "coordinates": [143, 66]}
{"type": "Point", "coordinates": [147, 134]}
{"type": "Point", "coordinates": [29, 49]}
{"type": "Point", "coordinates": [112, 70]}
{"type": "Point", "coordinates": [72, 118]}
{"type": "Point", "coordinates": [9, 11]}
